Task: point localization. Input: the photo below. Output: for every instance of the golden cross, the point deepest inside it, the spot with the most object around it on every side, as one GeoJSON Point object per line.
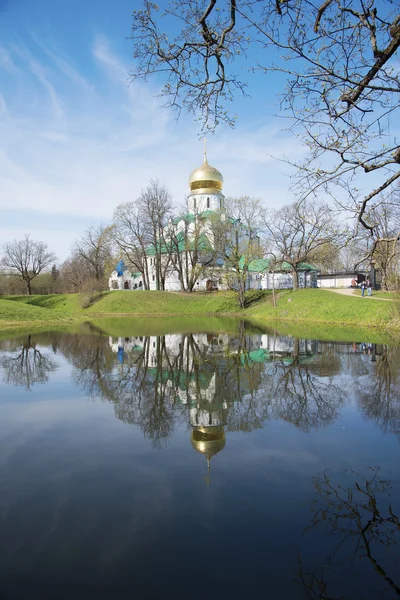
{"type": "Point", "coordinates": [205, 149]}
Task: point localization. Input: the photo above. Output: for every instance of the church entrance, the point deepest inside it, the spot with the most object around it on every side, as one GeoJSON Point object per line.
{"type": "Point", "coordinates": [126, 285]}
{"type": "Point", "coordinates": [211, 285]}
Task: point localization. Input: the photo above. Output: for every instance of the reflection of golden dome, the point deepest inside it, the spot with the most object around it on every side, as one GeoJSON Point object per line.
{"type": "Point", "coordinates": [208, 440]}
{"type": "Point", "coordinates": [206, 179]}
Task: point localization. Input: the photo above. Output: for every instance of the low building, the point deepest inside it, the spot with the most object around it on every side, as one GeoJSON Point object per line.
{"type": "Point", "coordinates": [341, 279]}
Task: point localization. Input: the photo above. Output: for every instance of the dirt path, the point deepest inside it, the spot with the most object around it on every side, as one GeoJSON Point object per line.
{"type": "Point", "coordinates": [349, 292]}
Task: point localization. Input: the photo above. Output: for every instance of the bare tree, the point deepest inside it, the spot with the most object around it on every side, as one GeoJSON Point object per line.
{"type": "Point", "coordinates": [156, 209]}
{"type": "Point", "coordinates": [74, 273]}
{"type": "Point", "coordinates": [361, 520]}
{"type": "Point", "coordinates": [27, 366]}
{"type": "Point", "coordinates": [339, 60]}
{"type": "Point", "coordinates": [26, 259]}
{"type": "Point", "coordinates": [141, 231]}
{"type": "Point", "coordinates": [132, 237]}
{"type": "Point", "coordinates": [236, 241]}
{"type": "Point", "coordinates": [381, 248]}
{"type": "Point", "coordinates": [300, 230]}
{"type": "Point", "coordinates": [191, 246]}
{"type": "Point", "coordinates": [94, 250]}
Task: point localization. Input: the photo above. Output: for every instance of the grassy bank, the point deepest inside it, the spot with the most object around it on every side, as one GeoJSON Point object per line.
{"type": "Point", "coordinates": [322, 306]}
{"type": "Point", "coordinates": [302, 306]}
{"type": "Point", "coordinates": [15, 314]}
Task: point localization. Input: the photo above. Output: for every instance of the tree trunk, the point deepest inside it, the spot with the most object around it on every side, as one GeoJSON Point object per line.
{"type": "Point", "coordinates": [295, 280]}
{"type": "Point", "coordinates": [241, 294]}
{"type": "Point", "coordinates": [28, 287]}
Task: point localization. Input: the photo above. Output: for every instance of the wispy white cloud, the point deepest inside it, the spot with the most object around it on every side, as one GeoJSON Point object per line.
{"type": "Point", "coordinates": [39, 71]}
{"type": "Point", "coordinates": [6, 61]}
{"type": "Point", "coordinates": [102, 51]}
{"type": "Point", "coordinates": [64, 66]}
{"type": "Point", "coordinates": [77, 142]}
{"type": "Point", "coordinates": [3, 105]}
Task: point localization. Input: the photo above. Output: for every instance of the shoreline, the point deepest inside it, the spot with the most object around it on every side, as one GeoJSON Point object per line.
{"type": "Point", "coordinates": [310, 307]}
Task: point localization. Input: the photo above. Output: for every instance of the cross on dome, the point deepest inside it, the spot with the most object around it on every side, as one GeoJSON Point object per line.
{"type": "Point", "coordinates": [205, 148]}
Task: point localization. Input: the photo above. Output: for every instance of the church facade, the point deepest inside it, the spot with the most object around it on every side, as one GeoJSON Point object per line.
{"type": "Point", "coordinates": [205, 203]}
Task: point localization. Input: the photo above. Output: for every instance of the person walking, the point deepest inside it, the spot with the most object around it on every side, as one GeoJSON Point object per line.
{"type": "Point", "coordinates": [363, 288]}
{"type": "Point", "coordinates": [369, 286]}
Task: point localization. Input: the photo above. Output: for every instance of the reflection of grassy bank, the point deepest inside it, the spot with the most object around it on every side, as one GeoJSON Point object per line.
{"type": "Point", "coordinates": [323, 332]}
{"type": "Point", "coordinates": [137, 326]}
{"type": "Point", "coordinates": [315, 307]}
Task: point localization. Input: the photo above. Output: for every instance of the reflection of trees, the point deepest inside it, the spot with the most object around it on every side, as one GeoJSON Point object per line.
{"type": "Point", "coordinates": [302, 398]}
{"type": "Point", "coordinates": [27, 365]}
{"type": "Point", "coordinates": [379, 398]}
{"type": "Point", "coordinates": [161, 375]}
{"type": "Point", "coordinates": [362, 523]}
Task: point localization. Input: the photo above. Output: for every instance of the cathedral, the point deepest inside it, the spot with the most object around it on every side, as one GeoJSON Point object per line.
{"type": "Point", "coordinates": [205, 202]}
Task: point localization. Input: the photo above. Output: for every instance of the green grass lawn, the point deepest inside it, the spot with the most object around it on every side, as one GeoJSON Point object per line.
{"type": "Point", "coordinates": [322, 306]}
{"type": "Point", "coordinates": [165, 303]}
{"type": "Point", "coordinates": [60, 303]}
{"type": "Point", "coordinates": [301, 306]}
{"type": "Point", "coordinates": [14, 313]}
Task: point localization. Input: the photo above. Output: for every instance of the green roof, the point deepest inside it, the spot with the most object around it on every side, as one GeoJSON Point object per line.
{"type": "Point", "coordinates": [189, 218]}
{"type": "Point", "coordinates": [181, 243]}
{"type": "Point", "coordinates": [260, 355]}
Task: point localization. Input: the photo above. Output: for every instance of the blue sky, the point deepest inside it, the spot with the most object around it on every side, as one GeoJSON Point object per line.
{"type": "Point", "coordinates": [76, 139]}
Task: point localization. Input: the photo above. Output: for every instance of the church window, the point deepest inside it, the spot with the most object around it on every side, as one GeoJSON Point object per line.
{"type": "Point", "coordinates": [220, 204]}
{"type": "Point", "coordinates": [194, 203]}
{"type": "Point", "coordinates": [154, 277]}
{"type": "Point", "coordinates": [208, 202]}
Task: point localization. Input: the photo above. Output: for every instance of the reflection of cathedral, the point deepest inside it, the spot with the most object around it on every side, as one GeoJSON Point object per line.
{"type": "Point", "coordinates": [196, 371]}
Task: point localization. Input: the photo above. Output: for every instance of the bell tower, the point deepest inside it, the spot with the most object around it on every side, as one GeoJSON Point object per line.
{"type": "Point", "coordinates": [205, 184]}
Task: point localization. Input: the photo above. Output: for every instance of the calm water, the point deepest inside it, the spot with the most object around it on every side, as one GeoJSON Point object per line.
{"type": "Point", "coordinates": [226, 463]}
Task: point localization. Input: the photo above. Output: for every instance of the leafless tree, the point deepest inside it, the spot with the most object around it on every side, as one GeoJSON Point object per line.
{"type": "Point", "coordinates": [26, 259]}
{"type": "Point", "coordinates": [362, 521]}
{"type": "Point", "coordinates": [236, 241]}
{"type": "Point", "coordinates": [382, 246]}
{"type": "Point", "coordinates": [156, 209]}
{"type": "Point", "coordinates": [74, 274]}
{"type": "Point", "coordinates": [191, 245]}
{"type": "Point", "coordinates": [338, 58]}
{"type": "Point", "coordinates": [94, 250]}
{"type": "Point", "coordinates": [141, 232]}
{"type": "Point", "coordinates": [27, 366]}
{"type": "Point", "coordinates": [131, 236]}
{"type": "Point", "coordinates": [300, 230]}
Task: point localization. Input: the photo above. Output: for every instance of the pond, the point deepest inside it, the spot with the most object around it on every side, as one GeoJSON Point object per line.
{"type": "Point", "coordinates": [207, 458]}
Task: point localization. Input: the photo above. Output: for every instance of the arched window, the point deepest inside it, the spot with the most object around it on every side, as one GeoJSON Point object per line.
{"type": "Point", "coordinates": [194, 203]}
{"type": "Point", "coordinates": [208, 202]}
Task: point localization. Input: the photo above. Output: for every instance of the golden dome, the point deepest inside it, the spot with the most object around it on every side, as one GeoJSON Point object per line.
{"type": "Point", "coordinates": [206, 179]}
{"type": "Point", "coordinates": [208, 440]}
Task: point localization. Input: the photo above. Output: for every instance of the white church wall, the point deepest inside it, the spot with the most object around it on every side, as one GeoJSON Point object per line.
{"type": "Point", "coordinates": [198, 203]}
